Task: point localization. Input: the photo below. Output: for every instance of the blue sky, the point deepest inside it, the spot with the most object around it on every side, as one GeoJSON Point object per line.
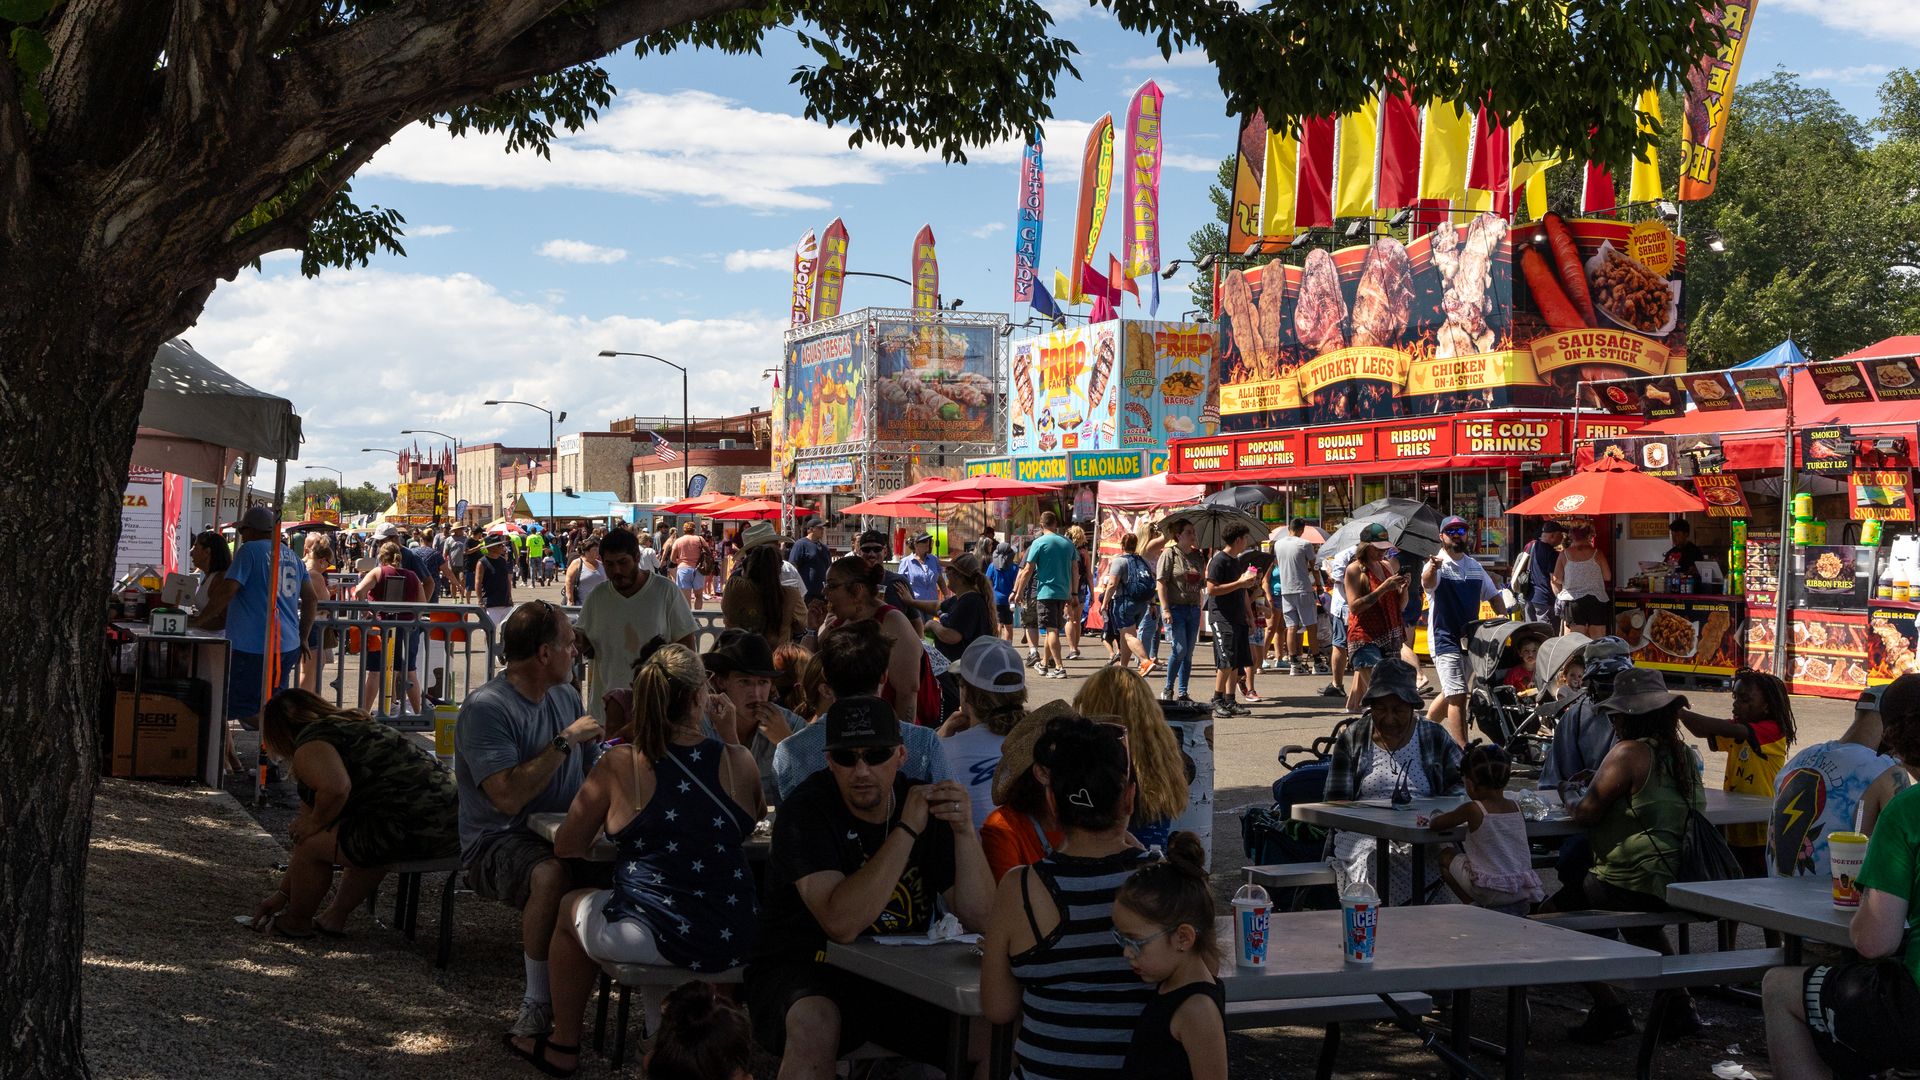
{"type": "Point", "coordinates": [668, 226]}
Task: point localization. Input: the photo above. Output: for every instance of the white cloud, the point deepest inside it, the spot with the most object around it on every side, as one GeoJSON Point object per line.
{"type": "Point", "coordinates": [430, 230]}
{"type": "Point", "coordinates": [674, 261]}
{"type": "Point", "coordinates": [1066, 10]}
{"type": "Point", "coordinates": [579, 251]}
{"type": "Point", "coordinates": [1880, 19]}
{"type": "Point", "coordinates": [1199, 163]}
{"type": "Point", "coordinates": [1192, 58]}
{"type": "Point", "coordinates": [415, 350]}
{"type": "Point", "coordinates": [987, 230]}
{"type": "Point", "coordinates": [763, 259]}
{"type": "Point", "coordinates": [688, 143]}
{"type": "Point", "coordinates": [1852, 75]}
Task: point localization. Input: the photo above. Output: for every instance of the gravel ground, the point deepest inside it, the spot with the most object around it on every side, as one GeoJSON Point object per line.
{"type": "Point", "coordinates": [197, 996]}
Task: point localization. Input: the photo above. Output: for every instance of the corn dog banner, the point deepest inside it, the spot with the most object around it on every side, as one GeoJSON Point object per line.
{"type": "Point", "coordinates": [1473, 316]}
{"type": "Point", "coordinates": [1127, 384]}
{"type": "Point", "coordinates": [1709, 100]}
{"type": "Point", "coordinates": [805, 255]}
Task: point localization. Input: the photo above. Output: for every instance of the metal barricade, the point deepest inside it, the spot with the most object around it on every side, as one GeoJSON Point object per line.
{"type": "Point", "coordinates": [393, 668]}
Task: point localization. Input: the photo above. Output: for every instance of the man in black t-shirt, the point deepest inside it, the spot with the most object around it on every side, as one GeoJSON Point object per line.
{"type": "Point", "coordinates": [859, 849]}
{"type": "Point", "coordinates": [1228, 580]}
{"type": "Point", "coordinates": [1685, 555]}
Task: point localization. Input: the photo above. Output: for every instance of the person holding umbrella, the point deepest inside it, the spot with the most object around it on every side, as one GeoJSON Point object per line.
{"type": "Point", "coordinates": [1375, 589]}
{"type": "Point", "coordinates": [1227, 582]}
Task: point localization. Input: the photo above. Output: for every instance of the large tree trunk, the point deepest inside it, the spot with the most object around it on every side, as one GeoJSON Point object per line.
{"type": "Point", "coordinates": [73, 368]}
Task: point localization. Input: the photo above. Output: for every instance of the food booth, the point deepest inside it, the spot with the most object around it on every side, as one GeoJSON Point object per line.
{"type": "Point", "coordinates": [1445, 368]}
{"type": "Point", "coordinates": [1837, 440]}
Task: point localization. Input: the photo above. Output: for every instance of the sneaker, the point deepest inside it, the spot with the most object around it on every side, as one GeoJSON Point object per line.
{"type": "Point", "coordinates": [1320, 667]}
{"type": "Point", "coordinates": [1147, 668]}
{"type": "Point", "coordinates": [1223, 710]}
{"type": "Point", "coordinates": [536, 1019]}
{"type": "Point", "coordinates": [1603, 1023]}
{"type": "Point", "coordinates": [1331, 690]}
{"type": "Point", "coordinates": [1054, 673]}
{"type": "Point", "coordinates": [1183, 698]}
{"type": "Point", "coordinates": [1270, 665]}
{"type": "Point", "coordinates": [1251, 696]}
{"type": "Point", "coordinates": [1074, 655]}
{"type": "Point", "coordinates": [1234, 708]}
{"type": "Point", "coordinates": [1033, 657]}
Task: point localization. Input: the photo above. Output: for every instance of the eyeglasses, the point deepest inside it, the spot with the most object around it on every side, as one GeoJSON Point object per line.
{"type": "Point", "coordinates": [873, 551]}
{"type": "Point", "coordinates": [872, 755]}
{"type": "Point", "coordinates": [1138, 945]}
{"type": "Point", "coordinates": [1457, 530]}
{"type": "Point", "coordinates": [832, 585]}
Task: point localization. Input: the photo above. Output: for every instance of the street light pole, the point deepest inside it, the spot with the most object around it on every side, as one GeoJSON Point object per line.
{"type": "Point", "coordinates": [553, 453]}
{"type": "Point", "coordinates": [686, 462]}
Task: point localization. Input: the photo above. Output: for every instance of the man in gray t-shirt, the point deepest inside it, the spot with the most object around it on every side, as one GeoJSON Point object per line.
{"type": "Point", "coordinates": [521, 747]}
{"type": "Point", "coordinates": [1296, 595]}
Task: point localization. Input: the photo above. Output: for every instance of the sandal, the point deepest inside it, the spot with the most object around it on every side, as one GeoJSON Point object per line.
{"type": "Point", "coordinates": [537, 1057]}
{"type": "Point", "coordinates": [274, 929]}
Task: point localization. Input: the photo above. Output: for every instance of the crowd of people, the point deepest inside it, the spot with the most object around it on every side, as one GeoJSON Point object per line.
{"type": "Point", "coordinates": [880, 715]}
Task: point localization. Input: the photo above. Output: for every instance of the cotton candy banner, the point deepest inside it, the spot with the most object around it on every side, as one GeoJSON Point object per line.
{"type": "Point", "coordinates": [830, 273]}
{"type": "Point", "coordinates": [1027, 224]}
{"type": "Point", "coordinates": [1709, 99]}
{"type": "Point", "coordinates": [805, 257]}
{"type": "Point", "coordinates": [926, 271]}
{"type": "Point", "coordinates": [1143, 181]}
{"type": "Point", "coordinates": [1096, 184]}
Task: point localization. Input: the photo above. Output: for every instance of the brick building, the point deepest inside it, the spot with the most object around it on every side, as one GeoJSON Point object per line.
{"type": "Point", "coordinates": [478, 476]}
{"type": "Point", "coordinates": [598, 461]}
{"type": "Point", "coordinates": [721, 450]}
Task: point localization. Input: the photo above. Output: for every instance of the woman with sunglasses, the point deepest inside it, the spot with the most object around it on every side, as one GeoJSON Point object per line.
{"type": "Point", "coordinates": [1160, 770]}
{"type": "Point", "coordinates": [1070, 979]}
{"type": "Point", "coordinates": [853, 595]}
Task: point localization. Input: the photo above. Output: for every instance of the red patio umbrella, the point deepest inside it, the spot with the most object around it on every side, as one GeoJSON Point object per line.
{"type": "Point", "coordinates": [1610, 487]}
{"type": "Point", "coordinates": [755, 510]}
{"type": "Point", "coordinates": [702, 504]}
{"type": "Point", "coordinates": [980, 489]}
{"type": "Point", "coordinates": [885, 506]}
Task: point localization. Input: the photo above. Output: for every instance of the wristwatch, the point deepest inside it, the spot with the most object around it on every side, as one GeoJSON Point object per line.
{"type": "Point", "coordinates": [561, 744]}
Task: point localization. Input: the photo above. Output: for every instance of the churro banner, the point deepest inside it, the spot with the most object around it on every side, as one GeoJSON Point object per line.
{"type": "Point", "coordinates": [1709, 100]}
{"type": "Point", "coordinates": [821, 401]}
{"type": "Point", "coordinates": [935, 382]}
{"type": "Point", "coordinates": [1470, 317]}
{"type": "Point", "coordinates": [1127, 384]}
{"type": "Point", "coordinates": [1096, 184]}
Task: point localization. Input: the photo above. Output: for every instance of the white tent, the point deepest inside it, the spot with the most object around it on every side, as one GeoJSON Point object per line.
{"type": "Point", "coordinates": [197, 418]}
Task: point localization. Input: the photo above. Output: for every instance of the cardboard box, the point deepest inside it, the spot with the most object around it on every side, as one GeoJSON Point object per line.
{"type": "Point", "coordinates": [162, 742]}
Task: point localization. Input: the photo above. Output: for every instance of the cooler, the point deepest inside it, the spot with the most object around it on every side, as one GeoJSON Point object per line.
{"type": "Point", "coordinates": [1192, 723]}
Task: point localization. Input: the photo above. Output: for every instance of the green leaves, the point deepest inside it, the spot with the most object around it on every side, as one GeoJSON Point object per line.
{"type": "Point", "coordinates": [29, 50]}
{"type": "Point", "coordinates": [26, 11]}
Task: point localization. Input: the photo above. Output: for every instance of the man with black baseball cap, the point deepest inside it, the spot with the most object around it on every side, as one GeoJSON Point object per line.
{"type": "Point", "coordinates": [894, 588]}
{"type": "Point", "coordinates": [740, 668]}
{"type": "Point", "coordinates": [1532, 576]}
{"type": "Point", "coordinates": [859, 849]}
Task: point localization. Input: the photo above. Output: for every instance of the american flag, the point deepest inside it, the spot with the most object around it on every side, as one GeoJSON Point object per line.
{"type": "Point", "coordinates": [662, 449]}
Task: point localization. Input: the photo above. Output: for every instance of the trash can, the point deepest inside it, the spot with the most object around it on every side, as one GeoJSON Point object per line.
{"type": "Point", "coordinates": [1192, 723]}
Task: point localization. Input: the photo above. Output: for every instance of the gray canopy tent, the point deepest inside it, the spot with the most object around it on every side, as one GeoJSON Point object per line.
{"type": "Point", "coordinates": [197, 419]}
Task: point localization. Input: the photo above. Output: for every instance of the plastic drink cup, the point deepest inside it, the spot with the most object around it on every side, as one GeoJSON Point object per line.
{"type": "Point", "coordinates": [444, 719]}
{"type": "Point", "coordinates": [1252, 913]}
{"type": "Point", "coordinates": [1846, 851]}
{"type": "Point", "coordinates": [1360, 920]}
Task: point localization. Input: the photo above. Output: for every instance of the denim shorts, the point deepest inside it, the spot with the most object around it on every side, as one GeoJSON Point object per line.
{"type": "Point", "coordinates": [1339, 631]}
{"type": "Point", "coordinates": [688, 577]}
{"type": "Point", "coordinates": [1366, 657]}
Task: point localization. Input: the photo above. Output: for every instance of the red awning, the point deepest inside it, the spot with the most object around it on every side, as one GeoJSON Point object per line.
{"type": "Point", "coordinates": [1489, 440]}
{"type": "Point", "coordinates": [1752, 440]}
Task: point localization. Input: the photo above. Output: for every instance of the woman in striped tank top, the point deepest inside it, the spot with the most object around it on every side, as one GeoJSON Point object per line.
{"type": "Point", "coordinates": [1051, 958]}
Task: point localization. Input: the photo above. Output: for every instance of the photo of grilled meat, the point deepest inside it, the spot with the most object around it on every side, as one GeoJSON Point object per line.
{"type": "Point", "coordinates": [1383, 301]}
{"type": "Point", "coordinates": [1320, 311]}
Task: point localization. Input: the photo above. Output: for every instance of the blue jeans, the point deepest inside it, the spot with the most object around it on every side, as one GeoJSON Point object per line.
{"type": "Point", "coordinates": [1184, 621]}
{"type": "Point", "coordinates": [1150, 631]}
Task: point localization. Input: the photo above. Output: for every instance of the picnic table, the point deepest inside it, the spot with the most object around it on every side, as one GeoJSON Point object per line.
{"type": "Point", "coordinates": [757, 847]}
{"type": "Point", "coordinates": [945, 975]}
{"type": "Point", "coordinates": [1383, 821]}
{"type": "Point", "coordinates": [1452, 947]}
{"type": "Point", "coordinates": [1800, 908]}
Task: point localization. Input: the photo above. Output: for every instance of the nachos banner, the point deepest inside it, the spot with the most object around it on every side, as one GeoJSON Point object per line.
{"type": "Point", "coordinates": [1143, 180]}
{"type": "Point", "coordinates": [830, 273]}
{"type": "Point", "coordinates": [804, 257]}
{"type": "Point", "coordinates": [1709, 101]}
{"type": "Point", "coordinates": [926, 271]}
{"type": "Point", "coordinates": [1096, 184]}
{"type": "Point", "coordinates": [1028, 221]}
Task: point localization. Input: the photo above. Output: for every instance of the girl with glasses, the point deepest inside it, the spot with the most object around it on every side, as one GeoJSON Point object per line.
{"type": "Point", "coordinates": [1163, 922]}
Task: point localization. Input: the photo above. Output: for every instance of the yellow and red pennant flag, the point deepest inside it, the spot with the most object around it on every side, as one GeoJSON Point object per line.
{"type": "Point", "coordinates": [1709, 100]}
{"type": "Point", "coordinates": [1446, 147]}
{"type": "Point", "coordinates": [1643, 181]}
{"type": "Point", "coordinates": [1355, 144]}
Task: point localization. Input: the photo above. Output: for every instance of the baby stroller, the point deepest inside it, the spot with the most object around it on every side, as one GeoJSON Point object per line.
{"type": "Point", "coordinates": [1506, 717]}
{"type": "Point", "coordinates": [1268, 834]}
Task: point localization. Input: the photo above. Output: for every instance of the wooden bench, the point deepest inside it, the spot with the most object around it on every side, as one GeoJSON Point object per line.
{"type": "Point", "coordinates": [406, 900]}
{"type": "Point", "coordinates": [659, 978]}
{"type": "Point", "coordinates": [1323, 1012]}
{"type": "Point", "coordinates": [1291, 875]}
{"type": "Point", "coordinates": [1689, 970]}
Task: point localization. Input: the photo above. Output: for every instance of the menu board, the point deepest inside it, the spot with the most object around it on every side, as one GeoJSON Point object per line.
{"type": "Point", "coordinates": [1834, 577]}
{"type": "Point", "coordinates": [1891, 646]}
{"type": "Point", "coordinates": [1760, 391]}
{"type": "Point", "coordinates": [1826, 449]}
{"type": "Point", "coordinates": [1696, 635]}
{"type": "Point", "coordinates": [1763, 567]}
{"type": "Point", "coordinates": [1722, 493]}
{"type": "Point", "coordinates": [1711, 393]}
{"type": "Point", "coordinates": [1895, 379]}
{"type": "Point", "coordinates": [1880, 495]}
{"type": "Point", "coordinates": [1826, 650]}
{"type": "Point", "coordinates": [1839, 383]}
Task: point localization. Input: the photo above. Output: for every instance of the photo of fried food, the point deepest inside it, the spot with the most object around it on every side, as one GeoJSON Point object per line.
{"type": "Point", "coordinates": [1711, 389]}
{"type": "Point", "coordinates": [1713, 635]}
{"type": "Point", "coordinates": [1629, 293]}
{"type": "Point", "coordinates": [1185, 384]}
{"type": "Point", "coordinates": [1893, 375]}
{"type": "Point", "coordinates": [1842, 383]}
{"type": "Point", "coordinates": [1895, 652]}
{"type": "Point", "coordinates": [1672, 634]}
{"type": "Point", "coordinates": [1828, 566]}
